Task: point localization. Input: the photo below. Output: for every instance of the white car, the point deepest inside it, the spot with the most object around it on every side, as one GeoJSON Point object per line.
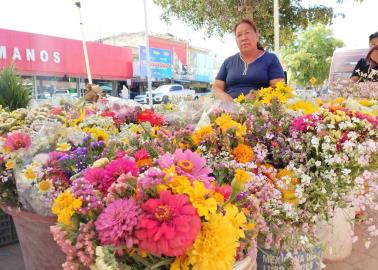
{"type": "Point", "coordinates": [167, 92]}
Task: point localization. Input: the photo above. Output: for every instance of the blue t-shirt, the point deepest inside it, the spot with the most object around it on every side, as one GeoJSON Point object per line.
{"type": "Point", "coordinates": [241, 78]}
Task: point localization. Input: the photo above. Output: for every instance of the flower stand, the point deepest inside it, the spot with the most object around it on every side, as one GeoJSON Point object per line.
{"type": "Point", "coordinates": [337, 235]}
{"type": "Point", "coordinates": [39, 250]}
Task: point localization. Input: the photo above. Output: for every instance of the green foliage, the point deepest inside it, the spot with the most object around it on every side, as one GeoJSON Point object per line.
{"type": "Point", "coordinates": [13, 94]}
{"type": "Point", "coordinates": [310, 55]}
{"type": "Point", "coordinates": [219, 17]}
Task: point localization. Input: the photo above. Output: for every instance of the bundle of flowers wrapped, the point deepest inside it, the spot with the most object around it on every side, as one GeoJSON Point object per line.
{"type": "Point", "coordinates": [169, 215]}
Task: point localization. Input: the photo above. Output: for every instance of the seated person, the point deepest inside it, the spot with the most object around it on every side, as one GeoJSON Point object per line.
{"type": "Point", "coordinates": [367, 68]}
{"type": "Point", "coordinates": [250, 69]}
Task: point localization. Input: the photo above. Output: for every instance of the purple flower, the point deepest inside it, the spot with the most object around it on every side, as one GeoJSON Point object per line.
{"type": "Point", "coordinates": [153, 176]}
{"type": "Point", "coordinates": [117, 223]}
{"type": "Point", "coordinates": [82, 189]}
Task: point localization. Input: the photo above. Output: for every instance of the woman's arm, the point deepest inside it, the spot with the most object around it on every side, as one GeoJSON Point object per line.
{"type": "Point", "coordinates": [275, 81]}
{"type": "Point", "coordinates": [219, 91]}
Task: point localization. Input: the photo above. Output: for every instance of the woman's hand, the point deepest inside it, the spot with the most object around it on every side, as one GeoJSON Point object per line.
{"type": "Point", "coordinates": [251, 95]}
{"type": "Point", "coordinates": [219, 91]}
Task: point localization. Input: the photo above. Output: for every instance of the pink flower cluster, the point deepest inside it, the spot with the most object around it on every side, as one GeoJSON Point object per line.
{"type": "Point", "coordinates": [82, 252]}
{"type": "Point", "coordinates": [17, 140]}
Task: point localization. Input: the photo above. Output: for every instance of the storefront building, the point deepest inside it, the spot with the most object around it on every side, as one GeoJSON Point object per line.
{"type": "Point", "coordinates": [47, 61]}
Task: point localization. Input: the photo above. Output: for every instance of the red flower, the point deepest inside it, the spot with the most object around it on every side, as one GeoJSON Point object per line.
{"type": "Point", "coordinates": [151, 117]}
{"type": "Point", "coordinates": [56, 111]}
{"type": "Point", "coordinates": [169, 225]}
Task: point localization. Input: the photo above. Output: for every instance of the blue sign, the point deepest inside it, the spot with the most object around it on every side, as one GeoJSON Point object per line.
{"type": "Point", "coordinates": [160, 63]}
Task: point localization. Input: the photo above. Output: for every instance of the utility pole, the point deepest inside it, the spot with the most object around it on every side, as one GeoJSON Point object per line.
{"type": "Point", "coordinates": [77, 3]}
{"type": "Point", "coordinates": [147, 55]}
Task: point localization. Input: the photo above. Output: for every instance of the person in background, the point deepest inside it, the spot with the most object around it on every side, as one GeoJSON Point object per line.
{"type": "Point", "coordinates": [362, 65]}
{"type": "Point", "coordinates": [250, 69]}
{"type": "Point", "coordinates": [367, 69]}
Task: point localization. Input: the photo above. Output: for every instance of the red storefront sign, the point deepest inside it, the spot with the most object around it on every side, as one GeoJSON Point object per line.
{"type": "Point", "coordinates": [176, 48]}
{"type": "Point", "coordinates": [42, 55]}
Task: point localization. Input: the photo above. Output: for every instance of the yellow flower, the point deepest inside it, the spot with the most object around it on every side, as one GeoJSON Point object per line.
{"type": "Point", "coordinates": [65, 206]}
{"type": "Point", "coordinates": [76, 121]}
{"type": "Point", "coordinates": [30, 174]}
{"type": "Point", "coordinates": [102, 162]}
{"type": "Point", "coordinates": [304, 106]}
{"type": "Point", "coordinates": [240, 98]}
{"type": "Point", "coordinates": [154, 131]}
{"type": "Point", "coordinates": [126, 141]}
{"type": "Point", "coordinates": [241, 176]}
{"type": "Point", "coordinates": [44, 186]}
{"type": "Point", "coordinates": [168, 106]}
{"type": "Point", "coordinates": [215, 246]}
{"type": "Point", "coordinates": [98, 134]}
{"type": "Point", "coordinates": [136, 129]}
{"type": "Point", "coordinates": [204, 134]}
{"type": "Point", "coordinates": [367, 102]}
{"type": "Point", "coordinates": [63, 147]}
{"type": "Point", "coordinates": [288, 196]}
{"type": "Point", "coordinates": [237, 219]}
{"type": "Point", "coordinates": [338, 100]}
{"type": "Point", "coordinates": [179, 184]}
{"type": "Point", "coordinates": [9, 164]}
{"type": "Point", "coordinates": [225, 122]}
{"type": "Point", "coordinates": [243, 153]}
{"type": "Point", "coordinates": [200, 199]}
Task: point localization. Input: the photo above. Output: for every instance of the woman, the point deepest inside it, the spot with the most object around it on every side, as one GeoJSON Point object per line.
{"type": "Point", "coordinates": [250, 69]}
{"type": "Point", "coordinates": [367, 68]}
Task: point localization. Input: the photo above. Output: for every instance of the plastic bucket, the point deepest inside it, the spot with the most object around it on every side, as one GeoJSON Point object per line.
{"type": "Point", "coordinates": [39, 250]}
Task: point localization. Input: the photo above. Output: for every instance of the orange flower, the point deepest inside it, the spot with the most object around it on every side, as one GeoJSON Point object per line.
{"type": "Point", "coordinates": [243, 153]}
{"type": "Point", "coordinates": [185, 165]}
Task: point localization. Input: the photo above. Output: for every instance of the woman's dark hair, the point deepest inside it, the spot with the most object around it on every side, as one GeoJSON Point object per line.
{"type": "Point", "coordinates": [370, 52]}
{"type": "Point", "coordinates": [374, 35]}
{"type": "Point", "coordinates": [254, 26]}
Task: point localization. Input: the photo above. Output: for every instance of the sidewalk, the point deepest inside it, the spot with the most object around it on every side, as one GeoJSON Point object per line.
{"type": "Point", "coordinates": [361, 258]}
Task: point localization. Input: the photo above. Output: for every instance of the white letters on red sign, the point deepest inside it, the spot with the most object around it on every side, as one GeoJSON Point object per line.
{"type": "Point", "coordinates": [30, 55]}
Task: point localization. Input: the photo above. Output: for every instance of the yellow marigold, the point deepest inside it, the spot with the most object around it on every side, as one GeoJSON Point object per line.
{"type": "Point", "coordinates": [65, 206]}
{"type": "Point", "coordinates": [9, 164]}
{"type": "Point", "coordinates": [180, 184]}
{"type": "Point", "coordinates": [203, 134]}
{"type": "Point", "coordinates": [44, 186]}
{"type": "Point", "coordinates": [30, 174]}
{"type": "Point", "coordinates": [215, 247]}
{"type": "Point", "coordinates": [241, 176]}
{"type": "Point", "coordinates": [63, 147]}
{"type": "Point", "coordinates": [288, 196]}
{"type": "Point", "coordinates": [240, 98]}
{"type": "Point", "coordinates": [243, 153]}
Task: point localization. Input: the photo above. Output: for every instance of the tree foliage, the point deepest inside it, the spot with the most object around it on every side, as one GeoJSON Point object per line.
{"type": "Point", "coordinates": [13, 94]}
{"type": "Point", "coordinates": [219, 16]}
{"type": "Point", "coordinates": [310, 54]}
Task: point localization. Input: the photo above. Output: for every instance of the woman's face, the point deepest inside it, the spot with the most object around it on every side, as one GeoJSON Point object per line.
{"type": "Point", "coordinates": [373, 42]}
{"type": "Point", "coordinates": [374, 56]}
{"type": "Point", "coordinates": [246, 37]}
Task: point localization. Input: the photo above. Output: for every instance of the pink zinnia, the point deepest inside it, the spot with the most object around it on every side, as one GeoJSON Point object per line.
{"type": "Point", "coordinates": [117, 223]}
{"type": "Point", "coordinates": [189, 164]}
{"type": "Point", "coordinates": [17, 140]}
{"type": "Point", "coordinates": [115, 169]}
{"type": "Point", "coordinates": [305, 123]}
{"type": "Point", "coordinates": [169, 225]}
{"type": "Point", "coordinates": [96, 177]}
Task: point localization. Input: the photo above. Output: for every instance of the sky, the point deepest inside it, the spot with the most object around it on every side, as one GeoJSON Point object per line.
{"type": "Point", "coordinates": [105, 18]}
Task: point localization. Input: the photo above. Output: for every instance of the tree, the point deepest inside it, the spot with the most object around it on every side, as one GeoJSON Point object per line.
{"type": "Point", "coordinates": [219, 17]}
{"type": "Point", "coordinates": [310, 55]}
{"type": "Point", "coordinates": [13, 94]}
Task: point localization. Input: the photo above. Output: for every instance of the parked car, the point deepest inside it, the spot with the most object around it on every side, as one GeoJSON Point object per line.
{"type": "Point", "coordinates": [202, 92]}
{"type": "Point", "coordinates": [167, 92]}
